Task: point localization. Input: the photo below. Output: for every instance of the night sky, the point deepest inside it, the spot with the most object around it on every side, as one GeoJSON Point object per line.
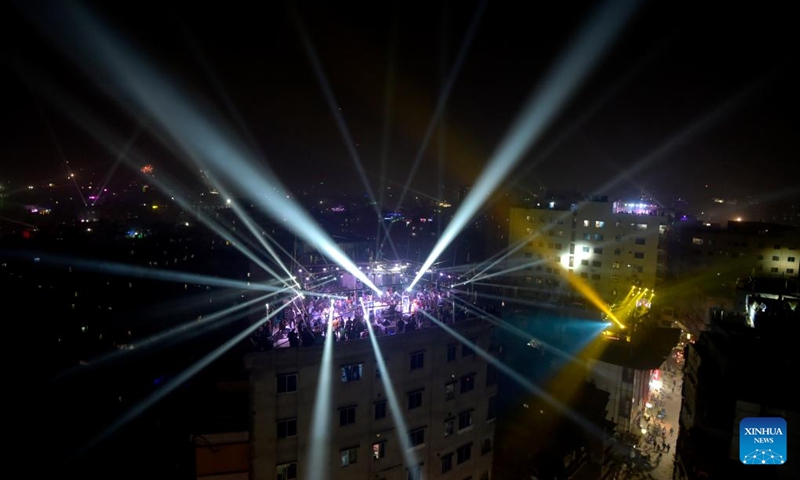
{"type": "Point", "coordinates": [686, 96]}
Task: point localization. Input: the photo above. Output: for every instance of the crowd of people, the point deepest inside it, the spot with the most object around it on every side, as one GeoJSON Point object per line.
{"type": "Point", "coordinates": [303, 321]}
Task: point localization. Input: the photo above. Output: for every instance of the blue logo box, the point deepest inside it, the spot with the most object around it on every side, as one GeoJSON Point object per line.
{"type": "Point", "coordinates": [762, 441]}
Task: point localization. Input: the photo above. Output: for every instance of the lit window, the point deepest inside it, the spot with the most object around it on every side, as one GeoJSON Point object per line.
{"type": "Point", "coordinates": [599, 224]}
{"type": "Point", "coordinates": [351, 373]}
{"type": "Point", "coordinates": [449, 426]}
{"type": "Point", "coordinates": [349, 456]}
{"type": "Point", "coordinates": [378, 450]}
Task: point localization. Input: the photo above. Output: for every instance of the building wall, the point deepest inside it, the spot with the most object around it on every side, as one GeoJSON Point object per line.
{"type": "Point", "coordinates": [269, 407]}
{"type": "Point", "coordinates": [221, 456]}
{"type": "Point", "coordinates": [610, 251]}
{"type": "Point", "coordinates": [628, 391]}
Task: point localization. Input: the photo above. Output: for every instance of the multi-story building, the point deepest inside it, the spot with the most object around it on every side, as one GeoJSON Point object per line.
{"type": "Point", "coordinates": [610, 246]}
{"type": "Point", "coordinates": [446, 392]}
{"type": "Point", "coordinates": [740, 250]}
{"type": "Point", "coordinates": [735, 371]}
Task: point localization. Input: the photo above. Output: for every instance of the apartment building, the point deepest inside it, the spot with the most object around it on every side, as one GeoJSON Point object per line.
{"type": "Point", "coordinates": [446, 392]}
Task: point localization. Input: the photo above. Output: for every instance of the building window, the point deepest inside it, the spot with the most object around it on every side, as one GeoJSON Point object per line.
{"type": "Point", "coordinates": [587, 249]}
{"type": "Point", "coordinates": [587, 236]}
{"type": "Point", "coordinates": [450, 391]}
{"type": "Point", "coordinates": [463, 453]}
{"type": "Point", "coordinates": [349, 456]}
{"type": "Point", "coordinates": [586, 223]}
{"type": "Point", "coordinates": [641, 226]}
{"type": "Point", "coordinates": [486, 446]}
{"type": "Point", "coordinates": [379, 450]}
{"type": "Point", "coordinates": [449, 426]}
{"type": "Point", "coordinates": [287, 428]}
{"type": "Point", "coordinates": [468, 383]}
{"type": "Point", "coordinates": [447, 462]}
{"type": "Point", "coordinates": [638, 255]}
{"type": "Point", "coordinates": [287, 383]}
{"type": "Point", "coordinates": [599, 224]}
{"type": "Point", "coordinates": [347, 416]}
{"type": "Point", "coordinates": [351, 373]}
{"type": "Point", "coordinates": [584, 275]}
{"type": "Point", "coordinates": [697, 241]}
{"type": "Point", "coordinates": [415, 399]}
{"type": "Point", "coordinates": [597, 263]}
{"type": "Point", "coordinates": [585, 262]}
{"type": "Point", "coordinates": [417, 360]}
{"type": "Point", "coordinates": [615, 265]}
{"type": "Point", "coordinates": [287, 471]}
{"type": "Point", "coordinates": [380, 409]}
{"type": "Point", "coordinates": [451, 352]}
{"type": "Point", "coordinates": [415, 473]}
{"type": "Point", "coordinates": [775, 258]}
{"type": "Point", "coordinates": [491, 375]}
{"type": "Point", "coordinates": [491, 411]}
{"type": "Point", "coordinates": [790, 270]}
{"type": "Point", "coordinates": [595, 276]}
{"type": "Point", "coordinates": [464, 420]}
{"type": "Point", "coordinates": [416, 437]}
{"type": "Point", "coordinates": [774, 269]}
{"type": "Point", "coordinates": [598, 237]}
{"type": "Point", "coordinates": [598, 250]}
{"type": "Point", "coordinates": [790, 259]}
{"type": "Point", "coordinates": [640, 241]}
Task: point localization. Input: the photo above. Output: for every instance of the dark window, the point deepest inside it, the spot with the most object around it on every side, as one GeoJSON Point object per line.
{"type": "Point", "coordinates": [380, 409]}
{"type": "Point", "coordinates": [585, 262]}
{"type": "Point", "coordinates": [598, 236]}
{"type": "Point", "coordinates": [416, 437]}
{"type": "Point", "coordinates": [597, 263]}
{"type": "Point", "coordinates": [463, 453]}
{"type": "Point", "coordinates": [491, 412]}
{"type": "Point", "coordinates": [486, 446]}
{"type": "Point", "coordinates": [417, 360]}
{"type": "Point", "coordinates": [415, 399]}
{"type": "Point", "coordinates": [351, 373]}
{"type": "Point", "coordinates": [287, 471]}
{"type": "Point", "coordinates": [790, 259]}
{"type": "Point", "coordinates": [451, 352]}
{"type": "Point", "coordinates": [638, 255]}
{"type": "Point", "coordinates": [775, 258]}
{"type": "Point", "coordinates": [467, 383]}
{"type": "Point", "coordinates": [347, 416]}
{"type": "Point", "coordinates": [598, 250]}
{"type": "Point", "coordinates": [287, 383]}
{"type": "Point", "coordinates": [464, 420]}
{"type": "Point", "coordinates": [447, 462]}
{"type": "Point", "coordinates": [287, 428]}
{"type": "Point", "coordinates": [640, 241]}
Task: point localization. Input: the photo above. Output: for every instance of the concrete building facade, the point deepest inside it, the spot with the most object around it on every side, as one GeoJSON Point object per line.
{"type": "Point", "coordinates": [606, 247]}
{"type": "Point", "coordinates": [446, 392]}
